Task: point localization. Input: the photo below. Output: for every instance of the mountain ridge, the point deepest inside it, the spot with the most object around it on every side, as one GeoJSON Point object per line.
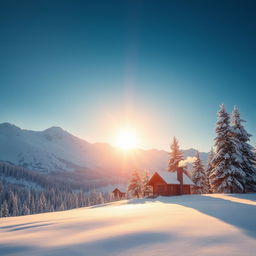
{"type": "Point", "coordinates": [56, 150]}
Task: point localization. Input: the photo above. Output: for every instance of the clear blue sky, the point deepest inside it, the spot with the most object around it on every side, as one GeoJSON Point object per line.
{"type": "Point", "coordinates": [161, 66]}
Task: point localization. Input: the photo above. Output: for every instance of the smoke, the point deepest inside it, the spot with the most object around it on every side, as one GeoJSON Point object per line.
{"type": "Point", "coordinates": [188, 160]}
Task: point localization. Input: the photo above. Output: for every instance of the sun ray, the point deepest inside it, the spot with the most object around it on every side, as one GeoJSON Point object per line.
{"type": "Point", "coordinates": [126, 139]}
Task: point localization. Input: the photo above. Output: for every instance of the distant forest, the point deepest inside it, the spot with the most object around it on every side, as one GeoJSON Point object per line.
{"type": "Point", "coordinates": [23, 192]}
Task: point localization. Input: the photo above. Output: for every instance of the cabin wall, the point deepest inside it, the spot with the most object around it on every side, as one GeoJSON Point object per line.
{"type": "Point", "coordinates": [162, 189]}
{"type": "Point", "coordinates": [173, 189]}
{"type": "Point", "coordinates": [186, 189]}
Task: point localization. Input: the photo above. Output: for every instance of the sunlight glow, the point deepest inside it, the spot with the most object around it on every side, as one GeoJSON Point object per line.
{"type": "Point", "coordinates": [126, 139]}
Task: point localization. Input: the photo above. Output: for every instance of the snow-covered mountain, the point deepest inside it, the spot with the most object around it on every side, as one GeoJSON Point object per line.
{"type": "Point", "coordinates": [55, 149]}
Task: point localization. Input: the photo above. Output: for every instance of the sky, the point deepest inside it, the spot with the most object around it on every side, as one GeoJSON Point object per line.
{"type": "Point", "coordinates": [160, 67]}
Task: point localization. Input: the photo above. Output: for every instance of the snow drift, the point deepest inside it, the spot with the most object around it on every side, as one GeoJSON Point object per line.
{"type": "Point", "coordinates": [183, 225]}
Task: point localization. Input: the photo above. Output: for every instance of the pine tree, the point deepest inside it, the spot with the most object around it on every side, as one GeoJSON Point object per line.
{"type": "Point", "coordinates": [94, 197]}
{"type": "Point", "coordinates": [41, 203]}
{"type": "Point", "coordinates": [88, 201]}
{"type": "Point", "coordinates": [111, 197]}
{"type": "Point", "coordinates": [135, 185]}
{"type": "Point", "coordinates": [4, 209]}
{"type": "Point", "coordinates": [176, 156]}
{"type": "Point", "coordinates": [209, 169]}
{"type": "Point", "coordinates": [62, 207]}
{"type": "Point", "coordinates": [199, 177]}
{"type": "Point", "coordinates": [247, 151]}
{"type": "Point", "coordinates": [25, 209]}
{"type": "Point", "coordinates": [101, 199]}
{"type": "Point", "coordinates": [227, 175]}
{"type": "Point", "coordinates": [1, 187]}
{"type": "Point", "coordinates": [146, 189]}
{"type": "Point", "coordinates": [13, 204]}
{"type": "Point", "coordinates": [32, 206]}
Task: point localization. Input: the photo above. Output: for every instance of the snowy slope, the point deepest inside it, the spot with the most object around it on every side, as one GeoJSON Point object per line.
{"type": "Point", "coordinates": [50, 150]}
{"type": "Point", "coordinates": [185, 225]}
{"type": "Point", "coordinates": [55, 149]}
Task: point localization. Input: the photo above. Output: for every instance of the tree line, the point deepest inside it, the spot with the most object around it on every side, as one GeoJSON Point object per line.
{"type": "Point", "coordinates": [24, 192]}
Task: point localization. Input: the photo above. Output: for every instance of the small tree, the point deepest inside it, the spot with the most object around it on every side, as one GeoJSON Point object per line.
{"type": "Point", "coordinates": [4, 209]}
{"type": "Point", "coordinates": [199, 177]}
{"type": "Point", "coordinates": [41, 203]}
{"type": "Point", "coordinates": [146, 189]}
{"type": "Point", "coordinates": [176, 156]}
{"type": "Point", "coordinates": [13, 201]}
{"type": "Point", "coordinates": [101, 199]}
{"type": "Point", "coordinates": [32, 206]}
{"type": "Point", "coordinates": [134, 186]}
{"type": "Point", "coordinates": [111, 197]}
{"type": "Point", "coordinates": [25, 209]}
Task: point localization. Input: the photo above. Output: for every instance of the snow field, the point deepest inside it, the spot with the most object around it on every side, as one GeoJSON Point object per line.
{"type": "Point", "coordinates": [183, 225]}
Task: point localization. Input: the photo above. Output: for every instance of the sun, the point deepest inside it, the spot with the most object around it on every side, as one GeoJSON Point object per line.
{"type": "Point", "coordinates": [126, 139]}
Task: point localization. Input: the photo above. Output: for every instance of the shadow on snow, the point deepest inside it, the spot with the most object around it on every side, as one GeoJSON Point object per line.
{"type": "Point", "coordinates": [240, 215]}
{"type": "Point", "coordinates": [110, 246]}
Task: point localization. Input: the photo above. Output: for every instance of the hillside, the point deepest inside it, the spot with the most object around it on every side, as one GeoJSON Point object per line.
{"type": "Point", "coordinates": [56, 150]}
{"type": "Point", "coordinates": [185, 225]}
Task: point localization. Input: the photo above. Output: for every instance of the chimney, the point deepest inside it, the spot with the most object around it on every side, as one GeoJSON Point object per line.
{"type": "Point", "coordinates": [180, 178]}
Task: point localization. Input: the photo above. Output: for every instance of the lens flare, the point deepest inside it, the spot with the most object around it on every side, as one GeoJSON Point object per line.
{"type": "Point", "coordinates": [126, 139]}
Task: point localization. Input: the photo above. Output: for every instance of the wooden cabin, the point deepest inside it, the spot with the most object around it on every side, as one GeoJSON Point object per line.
{"type": "Point", "coordinates": [170, 183]}
{"type": "Point", "coordinates": [118, 194]}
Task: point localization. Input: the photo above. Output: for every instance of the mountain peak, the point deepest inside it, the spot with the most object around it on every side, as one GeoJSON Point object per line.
{"type": "Point", "coordinates": [7, 125]}
{"type": "Point", "coordinates": [54, 129]}
{"type": "Point", "coordinates": [55, 132]}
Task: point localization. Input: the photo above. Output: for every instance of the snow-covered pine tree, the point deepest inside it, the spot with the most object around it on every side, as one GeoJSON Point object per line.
{"type": "Point", "coordinates": [134, 187]}
{"type": "Point", "coordinates": [13, 204]}
{"type": "Point", "coordinates": [41, 203]}
{"type": "Point", "coordinates": [111, 197]}
{"type": "Point", "coordinates": [101, 199]}
{"type": "Point", "coordinates": [146, 189]}
{"type": "Point", "coordinates": [209, 168]}
{"type": "Point", "coordinates": [227, 175]}
{"type": "Point", "coordinates": [62, 207]}
{"type": "Point", "coordinates": [32, 206]}
{"type": "Point", "coordinates": [176, 156]}
{"type": "Point", "coordinates": [199, 176]}
{"type": "Point", "coordinates": [1, 187]}
{"type": "Point", "coordinates": [88, 201]}
{"type": "Point", "coordinates": [4, 209]}
{"type": "Point", "coordinates": [25, 209]}
{"type": "Point", "coordinates": [247, 151]}
{"type": "Point", "coordinates": [93, 197]}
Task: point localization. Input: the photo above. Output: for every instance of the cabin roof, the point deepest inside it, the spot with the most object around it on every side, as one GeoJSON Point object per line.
{"type": "Point", "coordinates": [117, 190]}
{"type": "Point", "coordinates": [171, 178]}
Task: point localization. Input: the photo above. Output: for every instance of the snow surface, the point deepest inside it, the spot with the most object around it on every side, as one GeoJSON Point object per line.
{"type": "Point", "coordinates": [191, 225]}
